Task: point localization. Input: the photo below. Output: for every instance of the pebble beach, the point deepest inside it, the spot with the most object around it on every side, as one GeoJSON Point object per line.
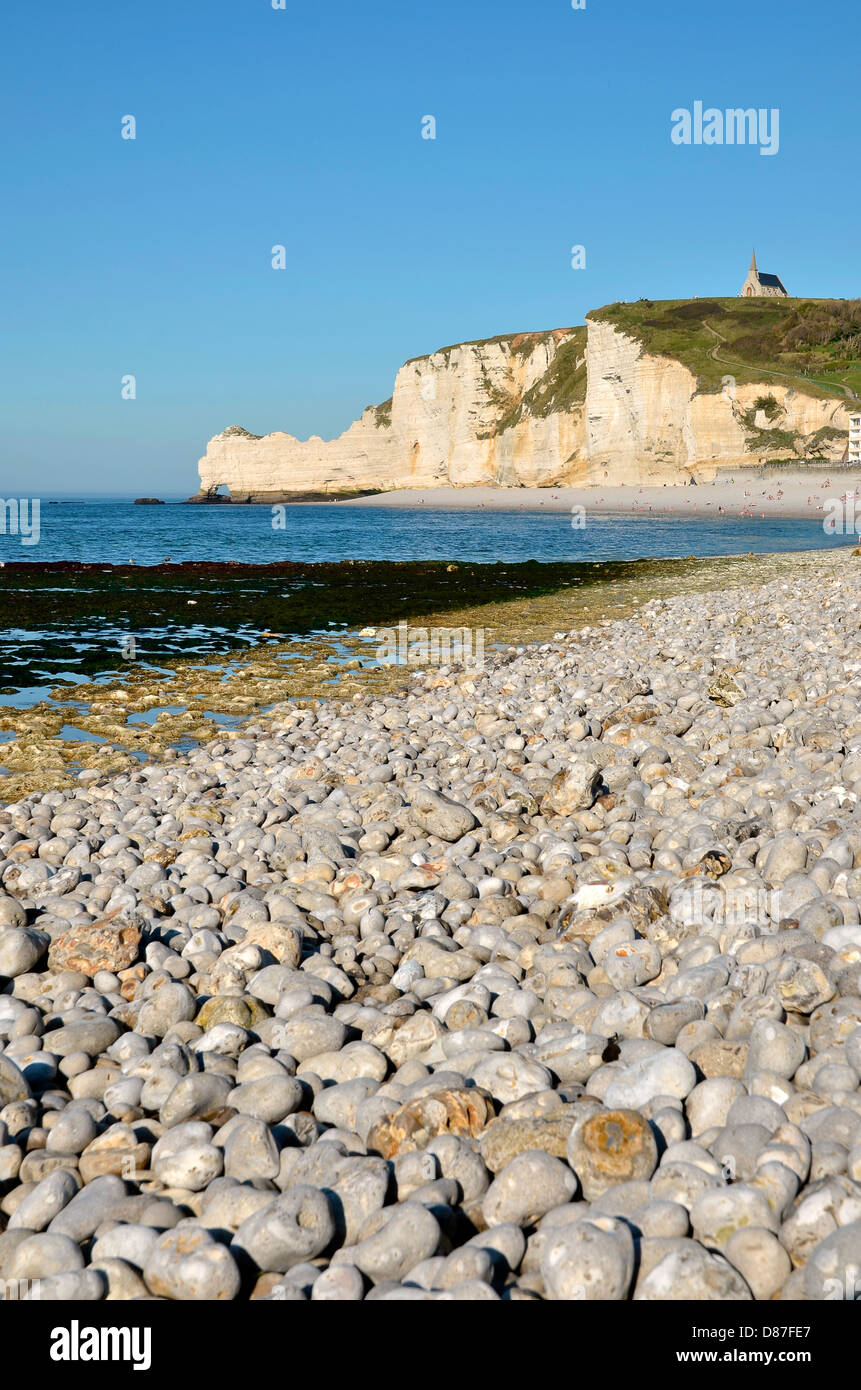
{"type": "Point", "coordinates": [538, 982]}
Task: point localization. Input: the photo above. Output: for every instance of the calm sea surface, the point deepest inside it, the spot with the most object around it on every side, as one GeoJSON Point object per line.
{"type": "Point", "coordinates": [119, 532]}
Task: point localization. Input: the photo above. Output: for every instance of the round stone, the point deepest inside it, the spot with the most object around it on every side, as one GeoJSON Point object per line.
{"type": "Point", "coordinates": [40, 1256]}
{"type": "Point", "coordinates": [833, 1268]}
{"type": "Point", "coordinates": [717, 1215]}
{"type": "Point", "coordinates": [395, 1240]}
{"type": "Point", "coordinates": [187, 1264]}
{"type": "Point", "coordinates": [613, 1146]}
{"type": "Point", "coordinates": [666, 1073]}
{"type": "Point", "coordinates": [293, 1228]}
{"type": "Point", "coordinates": [692, 1274]}
{"type": "Point", "coordinates": [269, 1098]}
{"type": "Point", "coordinates": [760, 1259]}
{"type": "Point", "coordinates": [589, 1261]}
{"type": "Point", "coordinates": [20, 950]}
{"type": "Point", "coordinates": [526, 1188]}
{"type": "Point", "coordinates": [46, 1200]}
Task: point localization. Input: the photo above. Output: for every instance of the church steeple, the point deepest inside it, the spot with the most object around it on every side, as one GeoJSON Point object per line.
{"type": "Point", "coordinates": [758, 286]}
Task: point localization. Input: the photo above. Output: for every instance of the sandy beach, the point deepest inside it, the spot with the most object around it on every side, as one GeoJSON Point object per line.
{"type": "Point", "coordinates": [790, 494]}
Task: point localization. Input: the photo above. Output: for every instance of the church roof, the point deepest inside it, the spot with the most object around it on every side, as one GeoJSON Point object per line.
{"type": "Point", "coordinates": [772, 280]}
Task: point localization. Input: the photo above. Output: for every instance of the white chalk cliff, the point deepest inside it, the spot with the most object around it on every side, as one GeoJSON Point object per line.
{"type": "Point", "coordinates": [585, 405]}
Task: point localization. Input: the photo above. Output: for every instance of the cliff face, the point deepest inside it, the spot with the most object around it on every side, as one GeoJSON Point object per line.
{"type": "Point", "coordinates": [647, 422]}
{"type": "Point", "coordinates": [585, 405]}
{"type": "Point", "coordinates": [447, 423]}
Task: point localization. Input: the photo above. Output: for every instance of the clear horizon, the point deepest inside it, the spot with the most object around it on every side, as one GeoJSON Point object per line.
{"type": "Point", "coordinates": [302, 128]}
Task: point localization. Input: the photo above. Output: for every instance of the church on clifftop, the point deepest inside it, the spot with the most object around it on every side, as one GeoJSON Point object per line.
{"type": "Point", "coordinates": [758, 283]}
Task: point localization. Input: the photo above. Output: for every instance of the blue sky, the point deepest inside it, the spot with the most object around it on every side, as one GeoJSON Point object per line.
{"type": "Point", "coordinates": [302, 127]}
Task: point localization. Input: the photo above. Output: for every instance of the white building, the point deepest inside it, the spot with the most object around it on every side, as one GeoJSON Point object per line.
{"type": "Point", "coordinates": [854, 439]}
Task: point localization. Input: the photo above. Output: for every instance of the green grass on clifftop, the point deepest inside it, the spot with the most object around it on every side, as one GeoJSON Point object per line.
{"type": "Point", "coordinates": [813, 345]}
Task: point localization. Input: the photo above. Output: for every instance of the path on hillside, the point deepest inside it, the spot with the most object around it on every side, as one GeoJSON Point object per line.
{"type": "Point", "coordinates": [728, 362]}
